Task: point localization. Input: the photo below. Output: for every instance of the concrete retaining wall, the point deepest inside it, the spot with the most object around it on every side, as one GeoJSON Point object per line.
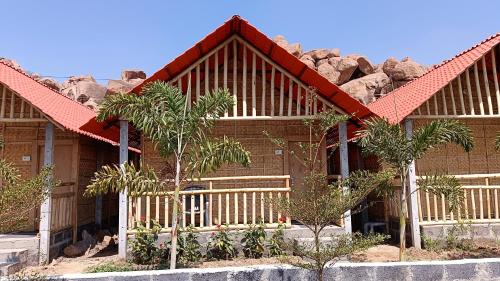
{"type": "Point", "coordinates": [480, 269]}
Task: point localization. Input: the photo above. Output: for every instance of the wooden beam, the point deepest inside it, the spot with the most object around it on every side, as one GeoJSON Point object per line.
{"type": "Point", "coordinates": [443, 96]}
{"type": "Point", "coordinates": [487, 86]}
{"type": "Point", "coordinates": [263, 77]}
{"type": "Point", "coordinates": [453, 105]}
{"type": "Point", "coordinates": [46, 207]}
{"type": "Point", "coordinates": [495, 78]}
{"type": "Point", "coordinates": [216, 71]}
{"type": "Point", "coordinates": [224, 75]}
{"type": "Point", "coordinates": [122, 217]}
{"type": "Point", "coordinates": [469, 92]}
{"type": "Point", "coordinates": [290, 96]}
{"type": "Point", "coordinates": [282, 92]}
{"type": "Point", "coordinates": [244, 90]}
{"type": "Point", "coordinates": [197, 82]}
{"type": "Point", "coordinates": [478, 90]}
{"type": "Point", "coordinates": [412, 190]}
{"type": "Point", "coordinates": [461, 94]}
{"type": "Point", "coordinates": [299, 98]}
{"type": "Point", "coordinates": [12, 104]}
{"type": "Point", "coordinates": [273, 73]}
{"type": "Point", "coordinates": [207, 82]}
{"type": "Point", "coordinates": [235, 78]}
{"type": "Point", "coordinates": [254, 74]}
{"type": "Point", "coordinates": [4, 96]}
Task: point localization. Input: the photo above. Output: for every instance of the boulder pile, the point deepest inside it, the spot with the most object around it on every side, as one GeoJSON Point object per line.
{"type": "Point", "coordinates": [354, 73]}
{"type": "Point", "coordinates": [85, 88]}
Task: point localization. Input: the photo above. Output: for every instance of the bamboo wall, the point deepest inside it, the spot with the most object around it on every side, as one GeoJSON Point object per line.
{"type": "Point", "coordinates": [451, 159]}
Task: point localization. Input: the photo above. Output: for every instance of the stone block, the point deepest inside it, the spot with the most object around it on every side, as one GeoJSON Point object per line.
{"type": "Point", "coordinates": [461, 271]}
{"type": "Point", "coordinates": [167, 276]}
{"type": "Point", "coordinates": [427, 272]}
{"type": "Point", "coordinates": [356, 273]}
{"type": "Point", "coordinates": [389, 273]}
{"type": "Point", "coordinates": [203, 275]}
{"type": "Point", "coordinates": [253, 274]}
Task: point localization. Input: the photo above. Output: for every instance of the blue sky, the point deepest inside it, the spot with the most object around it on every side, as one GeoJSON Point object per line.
{"type": "Point", "coordinates": [61, 38]}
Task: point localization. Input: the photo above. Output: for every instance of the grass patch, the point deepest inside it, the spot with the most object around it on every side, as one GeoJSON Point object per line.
{"type": "Point", "coordinates": [111, 267]}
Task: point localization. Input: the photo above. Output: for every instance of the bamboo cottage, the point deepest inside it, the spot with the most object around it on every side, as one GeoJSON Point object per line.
{"type": "Point", "coordinates": [270, 87]}
{"type": "Point", "coordinates": [41, 127]}
{"type": "Point", "coordinates": [464, 88]}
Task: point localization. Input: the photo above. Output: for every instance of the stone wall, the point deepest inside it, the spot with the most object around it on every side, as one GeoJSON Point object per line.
{"type": "Point", "coordinates": [481, 269]}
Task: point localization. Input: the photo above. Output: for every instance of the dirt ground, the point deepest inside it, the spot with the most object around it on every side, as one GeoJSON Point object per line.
{"type": "Point", "coordinates": [380, 253]}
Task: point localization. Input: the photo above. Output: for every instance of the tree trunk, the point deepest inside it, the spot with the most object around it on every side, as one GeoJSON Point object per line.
{"type": "Point", "coordinates": [402, 220]}
{"type": "Point", "coordinates": [173, 235]}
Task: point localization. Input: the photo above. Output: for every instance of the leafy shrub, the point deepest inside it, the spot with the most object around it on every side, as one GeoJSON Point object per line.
{"type": "Point", "coordinates": [110, 267]}
{"type": "Point", "coordinates": [220, 245]}
{"type": "Point", "coordinates": [454, 240]}
{"type": "Point", "coordinates": [26, 276]}
{"type": "Point", "coordinates": [276, 243]}
{"type": "Point", "coordinates": [144, 248]}
{"type": "Point", "coordinates": [253, 241]}
{"type": "Point", "coordinates": [188, 247]}
{"type": "Point", "coordinates": [431, 244]}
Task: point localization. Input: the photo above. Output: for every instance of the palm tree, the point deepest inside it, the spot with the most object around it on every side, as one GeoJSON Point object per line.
{"type": "Point", "coordinates": [392, 147]}
{"type": "Point", "coordinates": [179, 131]}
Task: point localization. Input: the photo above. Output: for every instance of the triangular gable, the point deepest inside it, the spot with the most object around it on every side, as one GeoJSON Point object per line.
{"type": "Point", "coordinates": [236, 26]}
{"type": "Point", "coordinates": [440, 91]}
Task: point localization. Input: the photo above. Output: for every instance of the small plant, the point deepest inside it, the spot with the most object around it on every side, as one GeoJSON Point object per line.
{"type": "Point", "coordinates": [454, 240]}
{"type": "Point", "coordinates": [276, 243]}
{"type": "Point", "coordinates": [431, 244]}
{"type": "Point", "coordinates": [144, 248]}
{"type": "Point", "coordinates": [26, 276]}
{"type": "Point", "coordinates": [220, 246]}
{"type": "Point", "coordinates": [110, 267]}
{"type": "Point", "coordinates": [188, 250]}
{"type": "Point", "coordinates": [253, 241]}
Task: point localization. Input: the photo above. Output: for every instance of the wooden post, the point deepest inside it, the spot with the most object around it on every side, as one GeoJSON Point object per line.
{"type": "Point", "coordinates": [122, 217]}
{"type": "Point", "coordinates": [344, 170]}
{"type": "Point", "coordinates": [46, 208]}
{"type": "Point", "coordinates": [412, 189]}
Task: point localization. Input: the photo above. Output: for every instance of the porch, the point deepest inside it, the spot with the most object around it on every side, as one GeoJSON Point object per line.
{"type": "Point", "coordinates": [236, 202]}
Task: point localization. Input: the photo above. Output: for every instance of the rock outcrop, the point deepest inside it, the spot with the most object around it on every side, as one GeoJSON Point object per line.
{"type": "Point", "coordinates": [355, 73]}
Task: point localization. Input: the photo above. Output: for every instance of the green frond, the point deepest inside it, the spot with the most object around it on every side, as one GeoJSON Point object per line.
{"type": "Point", "coordinates": [445, 185]}
{"type": "Point", "coordinates": [211, 154]}
{"type": "Point", "coordinates": [386, 141]}
{"type": "Point", "coordinates": [440, 132]}
{"type": "Point", "coordinates": [115, 178]}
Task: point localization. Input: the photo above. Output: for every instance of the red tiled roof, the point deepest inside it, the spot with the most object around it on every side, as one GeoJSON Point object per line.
{"type": "Point", "coordinates": [63, 111]}
{"type": "Point", "coordinates": [239, 26]}
{"type": "Point", "coordinates": [413, 94]}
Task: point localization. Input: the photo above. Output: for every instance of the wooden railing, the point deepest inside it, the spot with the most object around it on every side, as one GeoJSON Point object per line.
{"type": "Point", "coordinates": [235, 201]}
{"type": "Point", "coordinates": [479, 204]}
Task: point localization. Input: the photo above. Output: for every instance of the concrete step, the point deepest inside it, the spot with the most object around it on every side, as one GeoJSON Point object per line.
{"type": "Point", "coordinates": [8, 268]}
{"type": "Point", "coordinates": [9, 241]}
{"type": "Point", "coordinates": [14, 255]}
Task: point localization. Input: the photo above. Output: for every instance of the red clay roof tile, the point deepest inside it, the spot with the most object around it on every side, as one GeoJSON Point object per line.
{"type": "Point", "coordinates": [401, 102]}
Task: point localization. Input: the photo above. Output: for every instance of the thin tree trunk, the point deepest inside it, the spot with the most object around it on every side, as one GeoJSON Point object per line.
{"type": "Point", "coordinates": [402, 220]}
{"type": "Point", "coordinates": [173, 235]}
